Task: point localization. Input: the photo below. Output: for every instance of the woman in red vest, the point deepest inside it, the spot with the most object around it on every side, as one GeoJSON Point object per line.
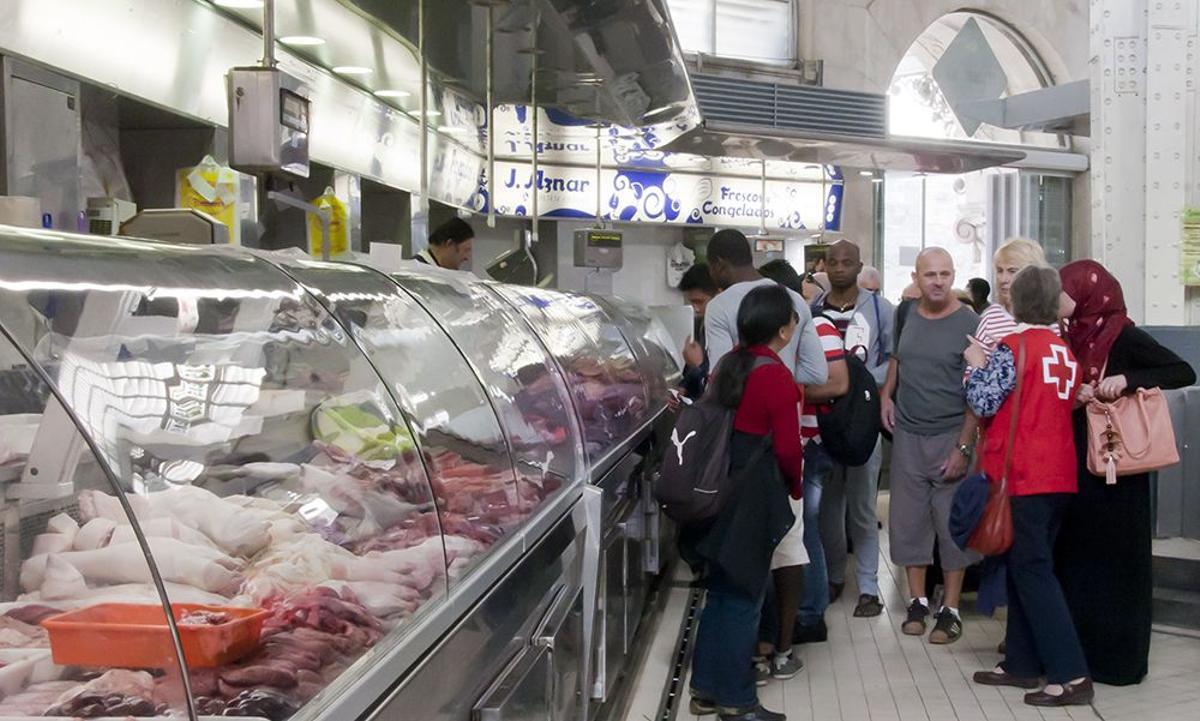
{"type": "Point", "coordinates": [1027, 389]}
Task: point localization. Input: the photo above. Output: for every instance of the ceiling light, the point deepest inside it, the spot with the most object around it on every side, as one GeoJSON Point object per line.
{"type": "Point", "coordinates": [301, 40]}
{"type": "Point", "coordinates": [431, 113]}
{"type": "Point", "coordinates": [867, 173]}
{"type": "Point", "coordinates": [239, 4]}
{"type": "Point", "coordinates": [352, 70]}
{"type": "Point", "coordinates": [388, 93]}
{"type": "Point", "coordinates": [452, 129]}
{"type": "Point", "coordinates": [876, 180]}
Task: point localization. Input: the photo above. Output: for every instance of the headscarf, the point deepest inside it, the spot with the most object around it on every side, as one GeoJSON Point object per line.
{"type": "Point", "coordinates": [1099, 315]}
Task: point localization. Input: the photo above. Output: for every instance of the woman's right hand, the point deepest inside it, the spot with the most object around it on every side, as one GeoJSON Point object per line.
{"type": "Point", "coordinates": [1086, 394]}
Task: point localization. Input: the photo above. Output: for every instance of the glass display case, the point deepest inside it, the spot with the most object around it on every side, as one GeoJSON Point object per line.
{"type": "Point", "coordinates": [612, 391]}
{"type": "Point", "coordinates": [270, 468]}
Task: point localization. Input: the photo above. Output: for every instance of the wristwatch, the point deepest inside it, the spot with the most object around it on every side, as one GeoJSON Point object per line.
{"type": "Point", "coordinates": [965, 450]}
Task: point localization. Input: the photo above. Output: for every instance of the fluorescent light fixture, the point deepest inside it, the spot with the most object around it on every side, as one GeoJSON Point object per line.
{"type": "Point", "coordinates": [239, 4]}
{"type": "Point", "coordinates": [388, 93]}
{"type": "Point", "coordinates": [352, 70]}
{"type": "Point", "coordinates": [453, 129]}
{"type": "Point", "coordinates": [430, 113]}
{"type": "Point", "coordinates": [298, 41]}
{"type": "Point", "coordinates": [867, 173]}
{"type": "Point", "coordinates": [876, 180]}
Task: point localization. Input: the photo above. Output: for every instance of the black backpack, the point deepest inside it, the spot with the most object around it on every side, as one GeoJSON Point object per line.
{"type": "Point", "coordinates": [850, 425]}
{"type": "Point", "coordinates": [694, 482]}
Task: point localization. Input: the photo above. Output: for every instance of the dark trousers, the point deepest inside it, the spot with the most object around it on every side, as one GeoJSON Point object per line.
{"type": "Point", "coordinates": [1041, 638]}
{"type": "Point", "coordinates": [721, 668]}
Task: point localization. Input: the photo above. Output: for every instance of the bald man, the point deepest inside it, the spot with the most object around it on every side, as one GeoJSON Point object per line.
{"type": "Point", "coordinates": [933, 438]}
{"type": "Point", "coordinates": [846, 495]}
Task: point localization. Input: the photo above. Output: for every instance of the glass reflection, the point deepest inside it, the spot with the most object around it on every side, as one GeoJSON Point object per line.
{"type": "Point", "coordinates": [601, 370]}
{"type": "Point", "coordinates": [264, 458]}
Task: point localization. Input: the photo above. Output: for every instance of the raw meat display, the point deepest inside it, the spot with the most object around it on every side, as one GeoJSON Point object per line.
{"type": "Point", "coordinates": [197, 566]}
{"type": "Point", "coordinates": [204, 618]}
{"type": "Point", "coordinates": [35, 698]}
{"type": "Point", "coordinates": [115, 693]}
{"type": "Point", "coordinates": [15, 633]}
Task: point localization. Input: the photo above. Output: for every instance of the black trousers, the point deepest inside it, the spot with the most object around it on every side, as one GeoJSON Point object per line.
{"type": "Point", "coordinates": [1041, 638]}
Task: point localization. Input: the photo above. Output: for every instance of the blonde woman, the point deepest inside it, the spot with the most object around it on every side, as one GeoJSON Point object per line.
{"type": "Point", "coordinates": [996, 321]}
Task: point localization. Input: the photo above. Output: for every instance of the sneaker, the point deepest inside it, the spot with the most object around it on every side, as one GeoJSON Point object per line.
{"type": "Point", "coordinates": [758, 713]}
{"type": "Point", "coordinates": [786, 667]}
{"type": "Point", "coordinates": [868, 606]}
{"type": "Point", "coordinates": [947, 629]}
{"type": "Point", "coordinates": [700, 706]}
{"type": "Point", "coordinates": [810, 633]}
{"type": "Point", "coordinates": [914, 623]}
{"type": "Point", "coordinates": [762, 671]}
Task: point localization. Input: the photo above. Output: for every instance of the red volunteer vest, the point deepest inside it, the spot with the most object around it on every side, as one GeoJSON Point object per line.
{"type": "Point", "coordinates": [1044, 452]}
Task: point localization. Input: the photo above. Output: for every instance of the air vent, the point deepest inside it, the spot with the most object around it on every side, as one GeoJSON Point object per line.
{"type": "Point", "coordinates": [791, 107]}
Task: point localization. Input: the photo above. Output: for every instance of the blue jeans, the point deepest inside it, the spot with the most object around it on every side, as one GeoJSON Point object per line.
{"type": "Point", "coordinates": [815, 599]}
{"type": "Point", "coordinates": [721, 668]}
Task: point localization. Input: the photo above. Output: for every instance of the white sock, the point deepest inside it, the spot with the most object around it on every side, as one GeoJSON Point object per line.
{"type": "Point", "coordinates": [782, 658]}
{"type": "Point", "coordinates": [924, 601]}
{"type": "Point", "coordinates": [954, 611]}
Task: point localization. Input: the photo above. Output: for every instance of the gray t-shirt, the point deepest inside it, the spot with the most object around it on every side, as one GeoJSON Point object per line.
{"type": "Point", "coordinates": [929, 396]}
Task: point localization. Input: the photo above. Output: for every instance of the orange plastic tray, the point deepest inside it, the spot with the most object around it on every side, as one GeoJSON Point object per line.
{"type": "Point", "coordinates": [126, 635]}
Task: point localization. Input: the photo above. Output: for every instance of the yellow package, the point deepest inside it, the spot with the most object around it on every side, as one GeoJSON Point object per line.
{"type": "Point", "coordinates": [339, 225]}
{"type": "Point", "coordinates": [212, 189]}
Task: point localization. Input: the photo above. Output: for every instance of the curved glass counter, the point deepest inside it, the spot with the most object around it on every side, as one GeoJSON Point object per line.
{"type": "Point", "coordinates": [650, 340]}
{"type": "Point", "coordinates": [301, 460]}
{"type": "Point", "coordinates": [607, 382]}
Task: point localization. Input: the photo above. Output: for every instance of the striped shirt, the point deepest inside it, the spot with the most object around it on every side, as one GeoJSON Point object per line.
{"type": "Point", "coordinates": [831, 343]}
{"type": "Point", "coordinates": [994, 325]}
{"type": "Point", "coordinates": [841, 318]}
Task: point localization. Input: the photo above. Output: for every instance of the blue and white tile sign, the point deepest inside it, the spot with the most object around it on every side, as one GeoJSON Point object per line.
{"type": "Point", "coordinates": [658, 196]}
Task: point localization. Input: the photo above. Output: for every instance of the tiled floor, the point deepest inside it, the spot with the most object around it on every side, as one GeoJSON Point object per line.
{"type": "Point", "coordinates": [870, 671]}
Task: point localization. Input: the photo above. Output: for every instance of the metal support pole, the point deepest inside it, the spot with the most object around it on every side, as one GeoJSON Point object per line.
{"type": "Point", "coordinates": [533, 111]}
{"type": "Point", "coordinates": [599, 175]}
{"type": "Point", "coordinates": [268, 32]}
{"type": "Point", "coordinates": [762, 198]}
{"type": "Point", "coordinates": [491, 119]}
{"type": "Point", "coordinates": [422, 209]}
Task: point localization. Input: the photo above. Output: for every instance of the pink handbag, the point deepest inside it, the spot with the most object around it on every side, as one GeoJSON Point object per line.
{"type": "Point", "coordinates": [1130, 435]}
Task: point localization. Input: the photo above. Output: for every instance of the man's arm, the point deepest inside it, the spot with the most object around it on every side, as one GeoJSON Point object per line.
{"type": "Point", "coordinates": [811, 368]}
{"type": "Point", "coordinates": [718, 336]}
{"type": "Point", "coordinates": [887, 405]}
{"type": "Point", "coordinates": [955, 466]}
{"type": "Point", "coordinates": [836, 387]}
{"type": "Point", "coordinates": [881, 351]}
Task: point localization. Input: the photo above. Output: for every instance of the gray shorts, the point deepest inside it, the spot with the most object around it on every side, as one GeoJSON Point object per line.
{"type": "Point", "coordinates": [921, 502]}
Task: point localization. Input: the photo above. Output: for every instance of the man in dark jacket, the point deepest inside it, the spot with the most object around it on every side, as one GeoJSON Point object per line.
{"type": "Point", "coordinates": [698, 288]}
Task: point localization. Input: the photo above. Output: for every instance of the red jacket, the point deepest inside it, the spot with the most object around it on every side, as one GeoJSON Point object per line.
{"type": "Point", "coordinates": [771, 405]}
{"type": "Point", "coordinates": [1044, 451]}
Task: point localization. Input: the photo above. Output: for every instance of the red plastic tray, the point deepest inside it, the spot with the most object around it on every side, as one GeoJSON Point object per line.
{"type": "Point", "coordinates": [125, 635]}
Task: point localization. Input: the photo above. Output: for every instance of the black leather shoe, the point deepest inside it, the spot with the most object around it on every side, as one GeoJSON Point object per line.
{"type": "Point", "coordinates": [811, 633]}
{"type": "Point", "coordinates": [758, 713]}
{"type": "Point", "coordinates": [1074, 694]}
{"type": "Point", "coordinates": [1003, 678]}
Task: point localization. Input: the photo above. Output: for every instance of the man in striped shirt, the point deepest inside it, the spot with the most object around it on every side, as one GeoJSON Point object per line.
{"type": "Point", "coordinates": [848, 507]}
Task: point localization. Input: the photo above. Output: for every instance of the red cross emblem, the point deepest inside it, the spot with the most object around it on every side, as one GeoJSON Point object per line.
{"type": "Point", "coordinates": [1059, 370]}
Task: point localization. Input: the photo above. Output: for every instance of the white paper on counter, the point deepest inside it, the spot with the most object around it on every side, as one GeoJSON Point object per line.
{"type": "Point", "coordinates": [386, 257]}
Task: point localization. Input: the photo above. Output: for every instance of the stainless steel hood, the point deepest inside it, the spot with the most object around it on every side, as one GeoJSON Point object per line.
{"type": "Point", "coordinates": [892, 153]}
{"type": "Point", "coordinates": [611, 60]}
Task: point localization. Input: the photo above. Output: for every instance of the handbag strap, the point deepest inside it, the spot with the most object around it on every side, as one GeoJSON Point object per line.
{"type": "Point", "coordinates": [1012, 425]}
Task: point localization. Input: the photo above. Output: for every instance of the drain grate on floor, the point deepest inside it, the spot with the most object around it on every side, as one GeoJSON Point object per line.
{"type": "Point", "coordinates": [681, 659]}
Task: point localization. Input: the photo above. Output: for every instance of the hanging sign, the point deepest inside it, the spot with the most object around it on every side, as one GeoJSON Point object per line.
{"type": "Point", "coordinates": [212, 189]}
{"type": "Point", "coordinates": [339, 226]}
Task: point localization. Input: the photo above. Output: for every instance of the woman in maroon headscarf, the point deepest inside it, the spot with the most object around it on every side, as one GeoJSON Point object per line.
{"type": "Point", "coordinates": [1103, 552]}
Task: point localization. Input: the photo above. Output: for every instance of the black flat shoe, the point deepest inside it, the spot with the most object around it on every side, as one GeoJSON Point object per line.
{"type": "Point", "coordinates": [1074, 694]}
{"type": "Point", "coordinates": [758, 713]}
{"type": "Point", "coordinates": [1003, 678]}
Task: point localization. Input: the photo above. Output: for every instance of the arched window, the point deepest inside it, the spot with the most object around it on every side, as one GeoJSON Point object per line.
{"type": "Point", "coordinates": [977, 58]}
